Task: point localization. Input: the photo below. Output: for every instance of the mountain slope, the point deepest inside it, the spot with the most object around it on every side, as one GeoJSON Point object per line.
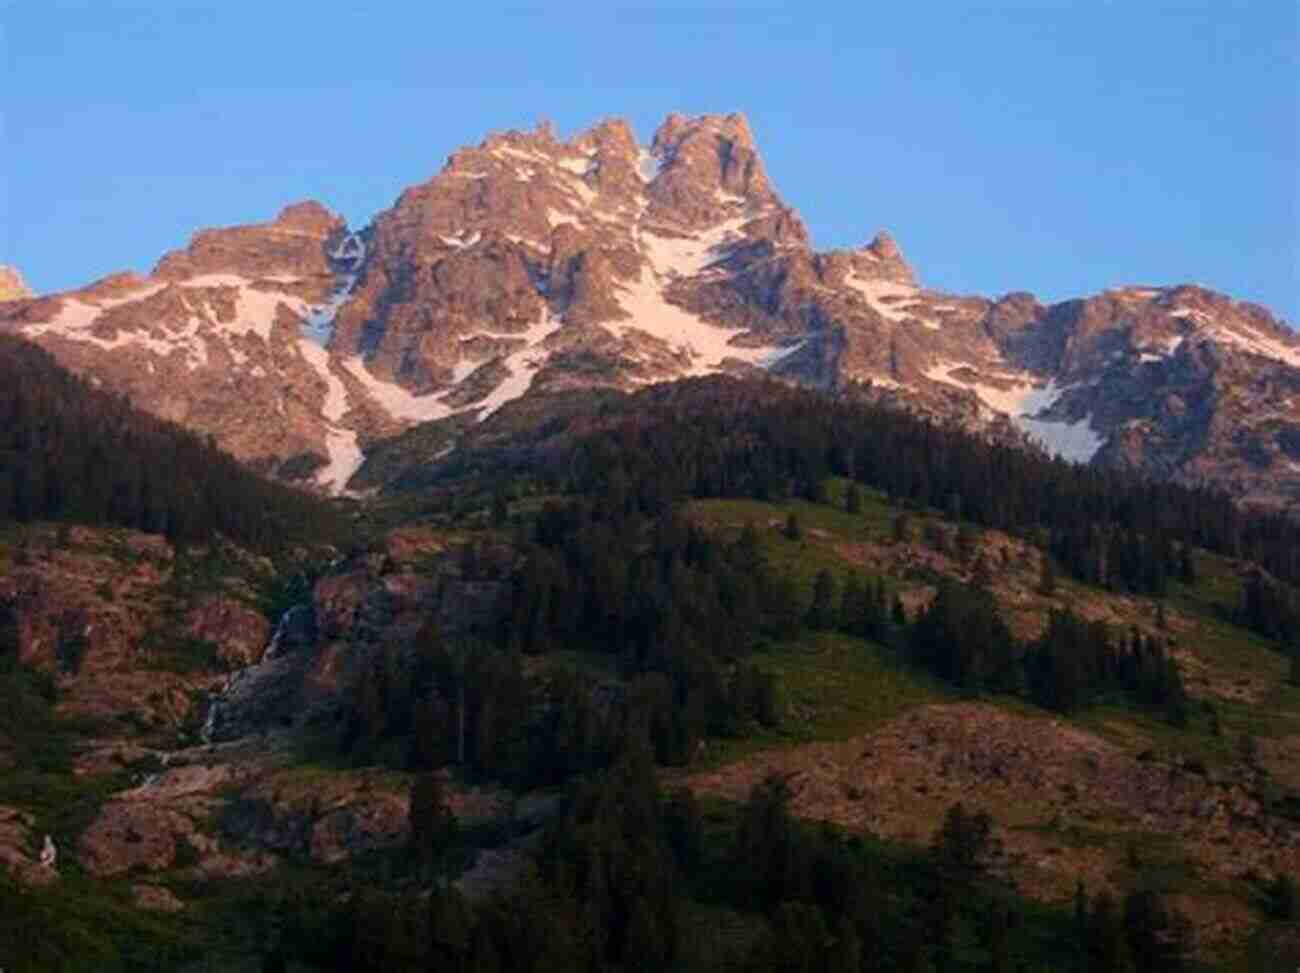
{"type": "Point", "coordinates": [533, 264]}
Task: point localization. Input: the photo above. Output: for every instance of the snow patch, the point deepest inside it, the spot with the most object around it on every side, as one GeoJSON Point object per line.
{"type": "Point", "coordinates": [318, 322]}
{"type": "Point", "coordinates": [1075, 442]}
{"type": "Point", "coordinates": [557, 218]}
{"type": "Point", "coordinates": [580, 167]}
{"type": "Point", "coordinates": [392, 398]}
{"type": "Point", "coordinates": [462, 241]}
{"type": "Point", "coordinates": [522, 365]}
{"type": "Point", "coordinates": [879, 294]}
{"type": "Point", "coordinates": [255, 310]}
{"type": "Point", "coordinates": [345, 458]}
{"type": "Point", "coordinates": [75, 321]}
{"type": "Point", "coordinates": [336, 394]}
{"type": "Point", "coordinates": [524, 241]}
{"type": "Point", "coordinates": [705, 344]}
{"type": "Point", "coordinates": [647, 166]}
{"type": "Point", "coordinates": [351, 250]}
{"type": "Point", "coordinates": [688, 256]}
{"type": "Point", "coordinates": [1258, 344]}
{"type": "Point", "coordinates": [527, 155]}
{"type": "Point", "coordinates": [584, 192]}
{"type": "Point", "coordinates": [1021, 401]}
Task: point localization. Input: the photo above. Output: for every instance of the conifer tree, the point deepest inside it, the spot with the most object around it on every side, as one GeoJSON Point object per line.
{"type": "Point", "coordinates": [853, 499]}
{"type": "Point", "coordinates": [793, 531]}
{"type": "Point", "coordinates": [432, 823]}
{"type": "Point", "coordinates": [822, 612]}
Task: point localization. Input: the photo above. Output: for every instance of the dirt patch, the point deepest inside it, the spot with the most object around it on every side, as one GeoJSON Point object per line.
{"type": "Point", "coordinates": [1281, 757]}
{"type": "Point", "coordinates": [156, 898]}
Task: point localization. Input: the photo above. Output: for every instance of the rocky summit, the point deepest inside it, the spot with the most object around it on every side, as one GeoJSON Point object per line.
{"type": "Point", "coordinates": [12, 285]}
{"type": "Point", "coordinates": [531, 264]}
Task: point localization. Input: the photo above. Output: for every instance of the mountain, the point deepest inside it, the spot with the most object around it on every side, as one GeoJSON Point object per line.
{"type": "Point", "coordinates": [12, 285]}
{"type": "Point", "coordinates": [531, 264]}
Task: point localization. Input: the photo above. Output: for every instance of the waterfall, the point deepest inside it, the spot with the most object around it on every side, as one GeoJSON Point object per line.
{"type": "Point", "coordinates": [216, 700]}
{"type": "Point", "coordinates": [214, 707]}
{"type": "Point", "coordinates": [286, 620]}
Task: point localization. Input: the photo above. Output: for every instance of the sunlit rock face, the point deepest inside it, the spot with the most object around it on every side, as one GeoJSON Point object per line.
{"type": "Point", "coordinates": [535, 264]}
{"type": "Point", "coordinates": [12, 285]}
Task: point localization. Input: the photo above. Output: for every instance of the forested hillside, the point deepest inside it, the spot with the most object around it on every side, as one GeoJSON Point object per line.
{"type": "Point", "coordinates": [69, 451]}
{"type": "Point", "coordinates": [717, 676]}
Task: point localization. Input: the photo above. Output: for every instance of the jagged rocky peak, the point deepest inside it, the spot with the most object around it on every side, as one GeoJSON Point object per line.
{"type": "Point", "coordinates": [610, 137]}
{"type": "Point", "coordinates": [881, 259]}
{"type": "Point", "coordinates": [709, 169]}
{"type": "Point", "coordinates": [534, 263]}
{"type": "Point", "coordinates": [12, 285]}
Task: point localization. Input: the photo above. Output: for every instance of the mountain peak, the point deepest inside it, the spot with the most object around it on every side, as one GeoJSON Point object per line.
{"type": "Point", "coordinates": [884, 246]}
{"type": "Point", "coordinates": [12, 285]}
{"type": "Point", "coordinates": [713, 153]}
{"type": "Point", "coordinates": [292, 242]}
{"type": "Point", "coordinates": [881, 259]}
{"type": "Point", "coordinates": [733, 127]}
{"type": "Point", "coordinates": [308, 216]}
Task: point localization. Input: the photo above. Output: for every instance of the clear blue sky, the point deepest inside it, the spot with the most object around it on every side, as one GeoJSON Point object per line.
{"type": "Point", "coordinates": [1047, 146]}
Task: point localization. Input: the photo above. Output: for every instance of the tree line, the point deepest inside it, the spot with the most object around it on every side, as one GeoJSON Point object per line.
{"type": "Point", "coordinates": [725, 437]}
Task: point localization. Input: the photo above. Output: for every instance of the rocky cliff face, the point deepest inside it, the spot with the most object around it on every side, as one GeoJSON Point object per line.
{"type": "Point", "coordinates": [534, 264]}
{"type": "Point", "coordinates": [12, 285]}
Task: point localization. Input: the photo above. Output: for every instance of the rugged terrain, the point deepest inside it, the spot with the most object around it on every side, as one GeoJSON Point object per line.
{"type": "Point", "coordinates": [536, 264]}
{"type": "Point", "coordinates": [189, 701]}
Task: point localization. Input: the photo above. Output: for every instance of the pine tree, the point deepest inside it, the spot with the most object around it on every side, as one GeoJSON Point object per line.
{"type": "Point", "coordinates": [1281, 898]}
{"type": "Point", "coordinates": [822, 614]}
{"type": "Point", "coordinates": [902, 528]}
{"type": "Point", "coordinates": [1107, 944]}
{"type": "Point", "coordinates": [967, 542]}
{"type": "Point", "coordinates": [792, 530]}
{"type": "Point", "coordinates": [961, 843]}
{"type": "Point", "coordinates": [1158, 937]}
{"type": "Point", "coordinates": [853, 499]}
{"type": "Point", "coordinates": [1000, 940]}
{"type": "Point", "coordinates": [433, 826]}
{"type": "Point", "coordinates": [899, 613]}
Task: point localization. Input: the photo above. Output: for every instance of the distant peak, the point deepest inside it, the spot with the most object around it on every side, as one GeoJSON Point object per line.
{"type": "Point", "coordinates": [734, 128]}
{"type": "Point", "coordinates": [881, 259]}
{"type": "Point", "coordinates": [884, 246]}
{"type": "Point", "coordinates": [12, 285]}
{"type": "Point", "coordinates": [609, 133]}
{"type": "Point", "coordinates": [310, 216]}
